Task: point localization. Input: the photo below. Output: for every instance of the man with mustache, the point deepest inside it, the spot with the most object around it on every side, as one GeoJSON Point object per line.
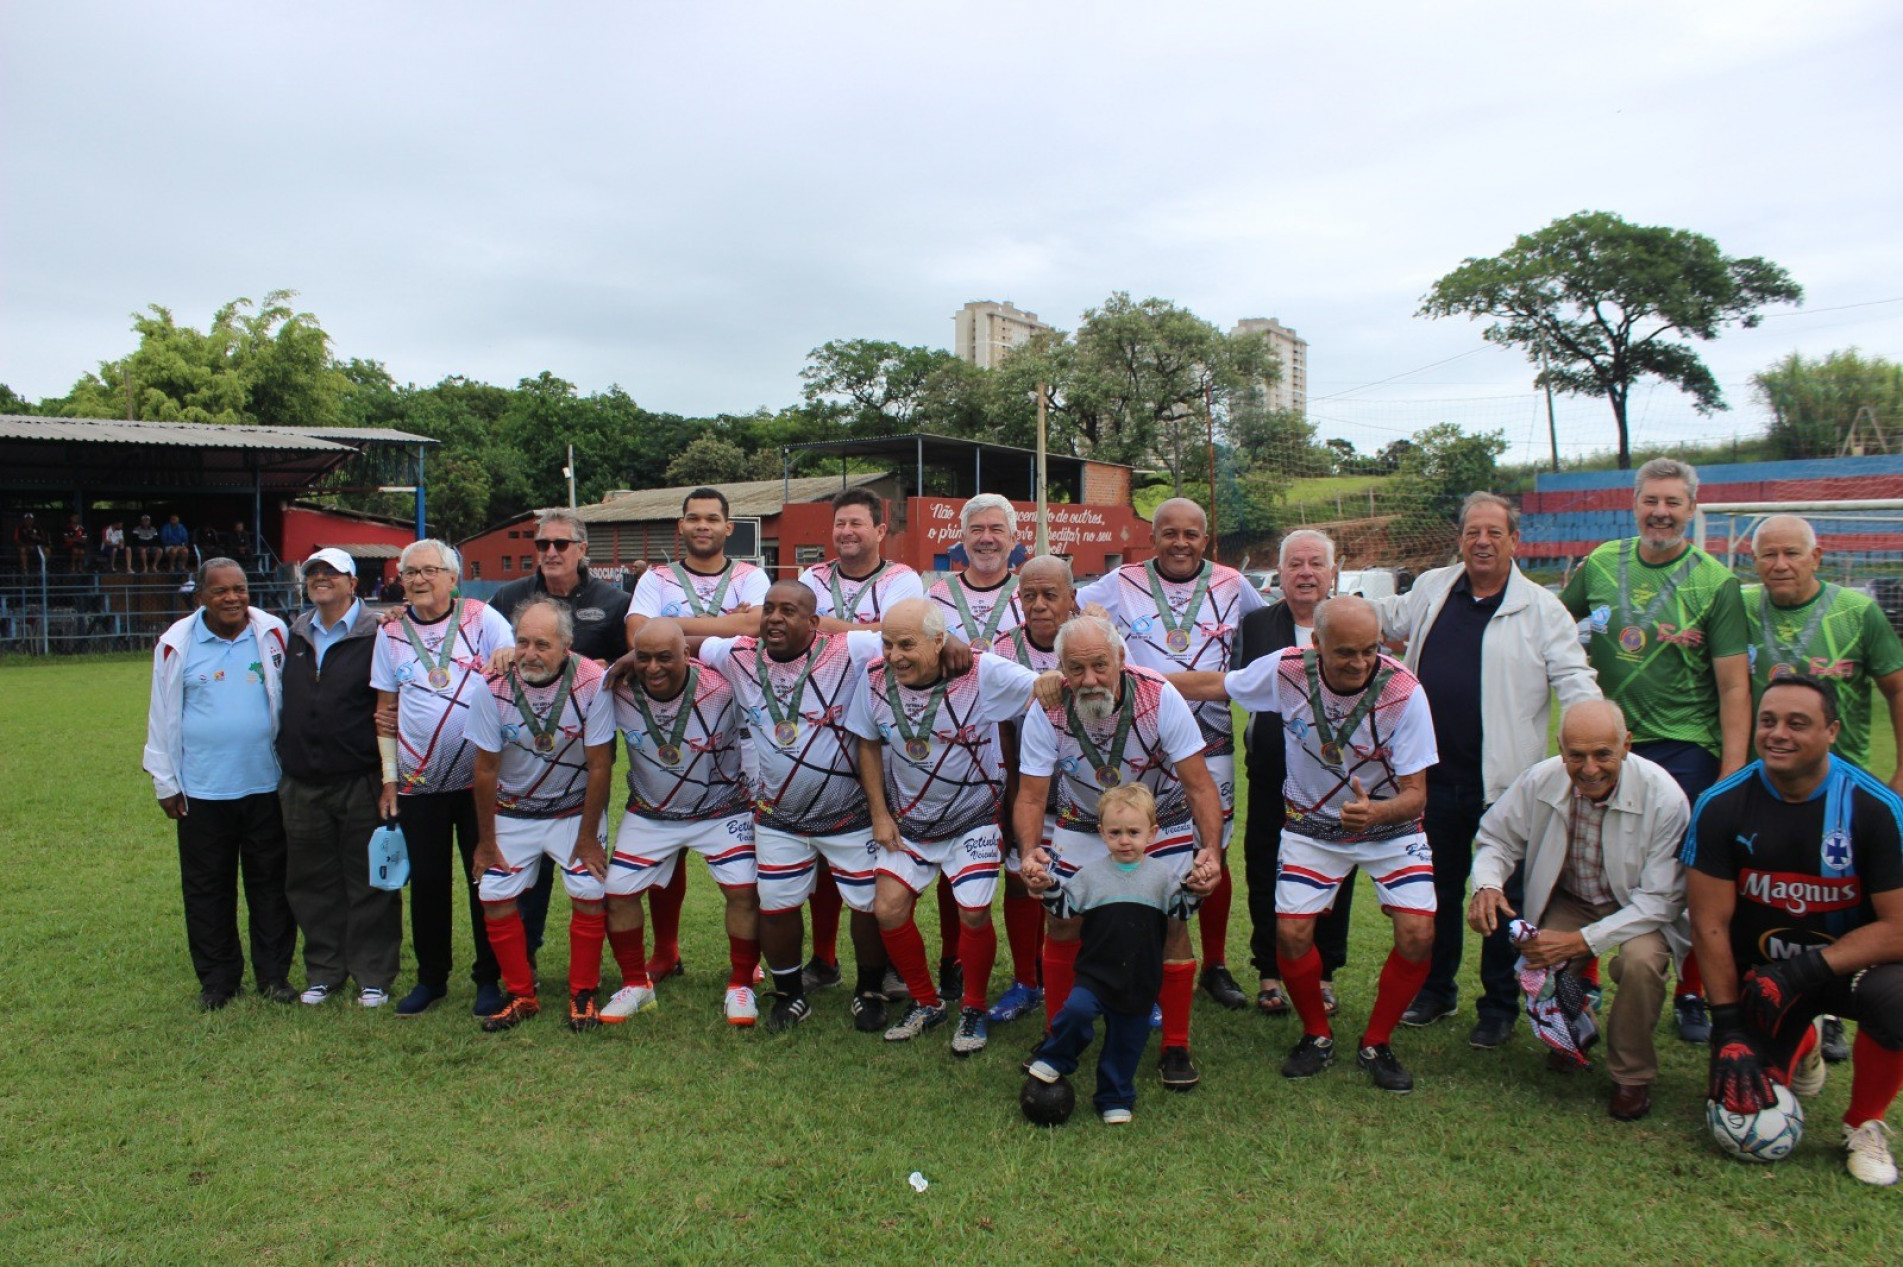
{"type": "Point", "coordinates": [543, 732]}
{"type": "Point", "coordinates": [1111, 723]}
{"type": "Point", "coordinates": [1180, 612]}
{"type": "Point", "coordinates": [1669, 644]}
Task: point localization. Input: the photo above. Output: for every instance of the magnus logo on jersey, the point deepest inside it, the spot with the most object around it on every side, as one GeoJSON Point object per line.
{"type": "Point", "coordinates": [1788, 943]}
{"type": "Point", "coordinates": [1800, 894]}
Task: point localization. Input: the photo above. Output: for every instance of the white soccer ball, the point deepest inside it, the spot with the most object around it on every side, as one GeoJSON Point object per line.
{"type": "Point", "coordinates": [1770, 1134]}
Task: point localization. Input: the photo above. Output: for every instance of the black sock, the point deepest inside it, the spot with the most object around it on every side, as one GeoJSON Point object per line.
{"type": "Point", "coordinates": [871, 980]}
{"type": "Point", "coordinates": [787, 981]}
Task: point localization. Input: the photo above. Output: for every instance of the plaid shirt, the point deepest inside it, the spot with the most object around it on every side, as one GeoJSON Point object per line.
{"type": "Point", "coordinates": [1584, 873]}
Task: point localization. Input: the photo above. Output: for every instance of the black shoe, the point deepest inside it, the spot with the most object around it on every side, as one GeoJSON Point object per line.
{"type": "Point", "coordinates": [490, 998]}
{"type": "Point", "coordinates": [1384, 1070]}
{"type": "Point", "coordinates": [1835, 1047]}
{"type": "Point", "coordinates": [1309, 1057]}
{"type": "Point", "coordinates": [1179, 1071]}
{"type": "Point", "coordinates": [279, 991]}
{"type": "Point", "coordinates": [1490, 1032]}
{"type": "Point", "coordinates": [788, 1011]}
{"type": "Point", "coordinates": [211, 1000]}
{"type": "Point", "coordinates": [819, 975]}
{"type": "Point", "coordinates": [1220, 986]}
{"type": "Point", "coordinates": [582, 1013]}
{"type": "Point", "coordinates": [1426, 1009]}
{"type": "Point", "coordinates": [1694, 1022]}
{"type": "Point", "coordinates": [951, 980]}
{"type": "Point", "coordinates": [420, 1000]}
{"type": "Point", "coordinates": [868, 1013]}
{"type": "Point", "coordinates": [517, 1008]}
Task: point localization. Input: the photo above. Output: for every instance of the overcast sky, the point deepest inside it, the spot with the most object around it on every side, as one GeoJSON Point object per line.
{"type": "Point", "coordinates": [685, 198]}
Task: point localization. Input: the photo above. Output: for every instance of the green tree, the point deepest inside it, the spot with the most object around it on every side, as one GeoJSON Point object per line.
{"type": "Point", "coordinates": [1439, 467]}
{"type": "Point", "coordinates": [1814, 402]}
{"type": "Point", "coordinates": [11, 402]}
{"type": "Point", "coordinates": [1606, 303]}
{"type": "Point", "coordinates": [879, 388]}
{"type": "Point", "coordinates": [711, 459]}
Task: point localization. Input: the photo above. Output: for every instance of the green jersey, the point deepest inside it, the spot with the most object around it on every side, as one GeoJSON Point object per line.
{"type": "Point", "coordinates": [1840, 636]}
{"type": "Point", "coordinates": [1654, 632]}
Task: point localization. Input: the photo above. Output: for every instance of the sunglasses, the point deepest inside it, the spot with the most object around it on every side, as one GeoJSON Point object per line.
{"type": "Point", "coordinates": [553, 543]}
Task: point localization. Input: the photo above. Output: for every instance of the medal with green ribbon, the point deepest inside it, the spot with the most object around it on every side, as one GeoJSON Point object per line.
{"type": "Point", "coordinates": [918, 741]}
{"type": "Point", "coordinates": [1632, 628]}
{"type": "Point", "coordinates": [1176, 629]}
{"type": "Point", "coordinates": [544, 733]}
{"type": "Point", "coordinates": [439, 666]}
{"type": "Point", "coordinates": [1789, 658]}
{"type": "Point", "coordinates": [842, 610]}
{"type": "Point", "coordinates": [667, 749]}
{"type": "Point", "coordinates": [1333, 737]}
{"type": "Point", "coordinates": [988, 632]}
{"type": "Point", "coordinates": [786, 723]}
{"type": "Point", "coordinates": [1108, 768]}
{"type": "Point", "coordinates": [684, 579]}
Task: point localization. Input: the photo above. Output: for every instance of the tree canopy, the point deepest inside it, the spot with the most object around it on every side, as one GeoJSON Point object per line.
{"type": "Point", "coordinates": [1814, 403]}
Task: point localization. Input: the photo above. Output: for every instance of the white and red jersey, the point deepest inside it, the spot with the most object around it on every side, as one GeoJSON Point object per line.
{"type": "Point", "coordinates": [1018, 648]}
{"type": "Point", "coordinates": [702, 780]}
{"type": "Point", "coordinates": [432, 753]}
{"type": "Point", "coordinates": [659, 592]}
{"type": "Point", "coordinates": [950, 780]}
{"type": "Point", "coordinates": [1126, 595]}
{"type": "Point", "coordinates": [532, 783]}
{"type": "Point", "coordinates": [1395, 737]}
{"type": "Point", "coordinates": [869, 597]}
{"type": "Point", "coordinates": [1162, 732]}
{"type": "Point", "coordinates": [981, 603]}
{"type": "Point", "coordinates": [807, 777]}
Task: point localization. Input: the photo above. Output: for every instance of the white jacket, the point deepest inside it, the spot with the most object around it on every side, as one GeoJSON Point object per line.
{"type": "Point", "coordinates": [164, 745]}
{"type": "Point", "coordinates": [1644, 827]}
{"type": "Point", "coordinates": [1530, 649]}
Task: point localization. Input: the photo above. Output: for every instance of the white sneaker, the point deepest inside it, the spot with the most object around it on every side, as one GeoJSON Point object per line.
{"type": "Point", "coordinates": [742, 1007]}
{"type": "Point", "coordinates": [1869, 1158]}
{"type": "Point", "coordinates": [314, 995]}
{"type": "Point", "coordinates": [628, 1000]}
{"type": "Point", "coordinates": [1043, 1071]}
{"type": "Point", "coordinates": [1116, 1117]}
{"type": "Point", "coordinates": [370, 996]}
{"type": "Point", "coordinates": [1808, 1074]}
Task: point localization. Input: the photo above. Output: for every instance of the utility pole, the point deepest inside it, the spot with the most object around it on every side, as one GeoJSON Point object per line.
{"type": "Point", "coordinates": [1209, 437]}
{"type": "Point", "coordinates": [1552, 427]}
{"type": "Point", "coordinates": [1043, 482]}
{"type": "Point", "coordinates": [569, 471]}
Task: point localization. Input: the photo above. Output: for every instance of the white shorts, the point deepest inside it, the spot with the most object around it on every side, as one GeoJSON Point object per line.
{"type": "Point", "coordinates": [647, 850]}
{"type": "Point", "coordinates": [524, 843]}
{"type": "Point", "coordinates": [1311, 871]}
{"type": "Point", "coordinates": [1223, 771]}
{"type": "Point", "coordinates": [969, 862]}
{"type": "Point", "coordinates": [1070, 850]}
{"type": "Point", "coordinates": [788, 865]}
{"type": "Point", "coordinates": [1014, 859]}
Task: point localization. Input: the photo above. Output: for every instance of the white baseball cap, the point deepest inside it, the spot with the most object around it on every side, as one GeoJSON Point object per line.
{"type": "Point", "coordinates": [335, 558]}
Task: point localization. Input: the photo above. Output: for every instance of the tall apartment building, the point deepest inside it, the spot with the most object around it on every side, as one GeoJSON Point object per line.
{"type": "Point", "coordinates": [1292, 392]}
{"type": "Point", "coordinates": [987, 330]}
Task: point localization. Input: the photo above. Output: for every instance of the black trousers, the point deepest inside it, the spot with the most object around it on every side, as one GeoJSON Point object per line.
{"type": "Point", "coordinates": [437, 826]}
{"type": "Point", "coordinates": [1451, 821]}
{"type": "Point", "coordinates": [1261, 858]}
{"type": "Point", "coordinates": [350, 928]}
{"type": "Point", "coordinates": [218, 840]}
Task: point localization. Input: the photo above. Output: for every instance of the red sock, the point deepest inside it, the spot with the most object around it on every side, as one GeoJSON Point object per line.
{"type": "Point", "coordinates": [744, 954]}
{"type": "Point", "coordinates": [1302, 978]}
{"type": "Point", "coordinates": [664, 906]}
{"type": "Point", "coordinates": [1060, 969]}
{"type": "Point", "coordinates": [1214, 917]}
{"type": "Point", "coordinates": [511, 946]}
{"type": "Point", "coordinates": [977, 951]}
{"type": "Point", "coordinates": [826, 905]}
{"type": "Point", "coordinates": [1589, 970]}
{"type": "Point", "coordinates": [630, 955]}
{"type": "Point", "coordinates": [1690, 980]}
{"type": "Point", "coordinates": [1876, 1075]}
{"type": "Point", "coordinates": [1023, 922]}
{"type": "Point", "coordinates": [906, 949]}
{"type": "Point", "coordinates": [948, 925]}
{"type": "Point", "coordinates": [1179, 990]}
{"type": "Point", "coordinates": [586, 931]}
{"type": "Point", "coordinates": [1401, 980]}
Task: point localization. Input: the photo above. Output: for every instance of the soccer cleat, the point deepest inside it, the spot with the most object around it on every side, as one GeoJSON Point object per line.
{"type": "Point", "coordinates": [788, 1010]}
{"type": "Point", "coordinates": [371, 996]}
{"type": "Point", "coordinates": [278, 992]}
{"type": "Point", "coordinates": [489, 998]}
{"type": "Point", "coordinates": [1015, 1002]}
{"type": "Point", "coordinates": [1490, 1032]}
{"type": "Point", "coordinates": [1042, 1071]}
{"type": "Point", "coordinates": [972, 1032]}
{"type": "Point", "coordinates": [582, 1014]}
{"type": "Point", "coordinates": [741, 1008]}
{"type": "Point", "coordinates": [627, 1001]}
{"type": "Point", "coordinates": [517, 1008]}
{"type": "Point", "coordinates": [314, 995]}
{"type": "Point", "coordinates": [1835, 1047]}
{"type": "Point", "coordinates": [420, 1000]}
{"type": "Point", "coordinates": [868, 1013]}
{"type": "Point", "coordinates": [1219, 985]}
{"type": "Point", "coordinates": [917, 1019]}
{"type": "Point", "coordinates": [894, 986]}
{"type": "Point", "coordinates": [1384, 1070]}
{"type": "Point", "coordinates": [819, 975]}
{"type": "Point", "coordinates": [1694, 1022]}
{"type": "Point", "coordinates": [1116, 1117]}
{"type": "Point", "coordinates": [1179, 1071]}
{"type": "Point", "coordinates": [951, 979]}
{"type": "Point", "coordinates": [1309, 1057]}
{"type": "Point", "coordinates": [1426, 1009]}
{"type": "Point", "coordinates": [1868, 1149]}
{"type": "Point", "coordinates": [659, 968]}
{"type": "Point", "coordinates": [1809, 1073]}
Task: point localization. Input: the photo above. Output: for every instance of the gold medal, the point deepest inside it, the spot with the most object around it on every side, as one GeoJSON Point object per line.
{"type": "Point", "coordinates": [785, 732]}
{"type": "Point", "coordinates": [1178, 641]}
{"type": "Point", "coordinates": [1108, 776]}
{"type": "Point", "coordinates": [439, 677]}
{"type": "Point", "coordinates": [668, 754]}
{"type": "Point", "coordinates": [1632, 639]}
{"type": "Point", "coordinates": [918, 748]}
{"type": "Point", "coordinates": [1331, 753]}
{"type": "Point", "coordinates": [545, 742]}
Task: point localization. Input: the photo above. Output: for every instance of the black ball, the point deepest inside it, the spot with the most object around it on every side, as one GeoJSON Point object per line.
{"type": "Point", "coordinates": [1047, 1103]}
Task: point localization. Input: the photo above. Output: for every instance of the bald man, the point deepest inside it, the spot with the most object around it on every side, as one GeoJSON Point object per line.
{"type": "Point", "coordinates": [1598, 828]}
{"type": "Point", "coordinates": [685, 792]}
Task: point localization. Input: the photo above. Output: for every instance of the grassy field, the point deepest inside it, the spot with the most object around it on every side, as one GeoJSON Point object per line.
{"type": "Point", "coordinates": [138, 1130]}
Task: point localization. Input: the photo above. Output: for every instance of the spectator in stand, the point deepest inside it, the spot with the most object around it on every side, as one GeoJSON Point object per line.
{"type": "Point", "coordinates": [210, 542]}
{"type": "Point", "coordinates": [29, 537]}
{"type": "Point", "coordinates": [112, 544]}
{"type": "Point", "coordinates": [76, 541]}
{"type": "Point", "coordinates": [240, 545]}
{"type": "Point", "coordinates": [145, 545]}
{"type": "Point", "coordinates": [177, 540]}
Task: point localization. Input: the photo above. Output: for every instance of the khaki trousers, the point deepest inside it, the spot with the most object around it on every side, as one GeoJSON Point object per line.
{"type": "Point", "coordinates": [1639, 971]}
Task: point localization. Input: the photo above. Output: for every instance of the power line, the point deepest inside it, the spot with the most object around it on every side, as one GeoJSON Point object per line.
{"type": "Point", "coordinates": [1406, 374]}
{"type": "Point", "coordinates": [1812, 312]}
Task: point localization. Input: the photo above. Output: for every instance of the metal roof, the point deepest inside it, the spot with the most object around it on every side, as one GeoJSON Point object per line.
{"type": "Point", "coordinates": [202, 435]}
{"type": "Point", "coordinates": [751, 498]}
{"type": "Point", "coordinates": [365, 550]}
